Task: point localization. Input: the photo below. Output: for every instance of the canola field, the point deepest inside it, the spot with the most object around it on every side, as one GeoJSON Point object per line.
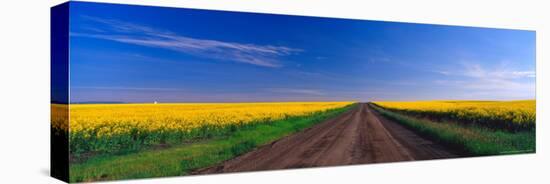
{"type": "Point", "coordinates": [115, 127]}
{"type": "Point", "coordinates": [59, 117]}
{"type": "Point", "coordinates": [511, 116]}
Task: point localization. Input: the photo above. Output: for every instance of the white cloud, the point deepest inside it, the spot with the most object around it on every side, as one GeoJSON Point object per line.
{"type": "Point", "coordinates": [443, 72]}
{"type": "Point", "coordinates": [498, 82]}
{"type": "Point", "coordinates": [125, 32]}
{"type": "Point", "coordinates": [296, 91]}
{"type": "Point", "coordinates": [126, 88]}
{"type": "Point", "coordinates": [476, 71]}
{"type": "Point", "coordinates": [530, 74]}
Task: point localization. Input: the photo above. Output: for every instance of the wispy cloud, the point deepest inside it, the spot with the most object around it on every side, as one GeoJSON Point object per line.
{"type": "Point", "coordinates": [499, 82]}
{"type": "Point", "coordinates": [477, 71]}
{"type": "Point", "coordinates": [130, 33]}
{"type": "Point", "coordinates": [295, 91]}
{"type": "Point", "coordinates": [125, 88]}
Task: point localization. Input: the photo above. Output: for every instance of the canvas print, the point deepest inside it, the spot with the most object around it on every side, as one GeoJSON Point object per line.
{"type": "Point", "coordinates": [144, 91]}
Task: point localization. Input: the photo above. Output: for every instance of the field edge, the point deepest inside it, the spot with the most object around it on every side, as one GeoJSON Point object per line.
{"type": "Point", "coordinates": [469, 140]}
{"type": "Point", "coordinates": [184, 159]}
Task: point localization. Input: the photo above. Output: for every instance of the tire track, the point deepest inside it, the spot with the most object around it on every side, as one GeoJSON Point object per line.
{"type": "Point", "coordinates": [356, 137]}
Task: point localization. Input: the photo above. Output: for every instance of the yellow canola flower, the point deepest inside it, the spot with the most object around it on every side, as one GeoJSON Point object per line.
{"type": "Point", "coordinates": [521, 113]}
{"type": "Point", "coordinates": [59, 116]}
{"type": "Point", "coordinates": [106, 120]}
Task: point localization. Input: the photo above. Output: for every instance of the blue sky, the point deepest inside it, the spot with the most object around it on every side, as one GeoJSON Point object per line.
{"type": "Point", "coordinates": [142, 54]}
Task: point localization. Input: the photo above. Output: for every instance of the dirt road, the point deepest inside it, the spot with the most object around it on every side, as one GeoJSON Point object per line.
{"type": "Point", "coordinates": [356, 137]}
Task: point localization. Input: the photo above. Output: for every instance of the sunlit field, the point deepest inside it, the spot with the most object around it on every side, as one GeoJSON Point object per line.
{"type": "Point", "coordinates": [109, 141]}
{"type": "Point", "coordinates": [506, 115]}
{"type": "Point", "coordinates": [59, 117]}
{"type": "Point", "coordinates": [115, 127]}
{"type": "Point", "coordinates": [474, 127]}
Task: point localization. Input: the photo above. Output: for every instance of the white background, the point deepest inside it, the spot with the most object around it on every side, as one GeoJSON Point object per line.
{"type": "Point", "coordinates": [24, 90]}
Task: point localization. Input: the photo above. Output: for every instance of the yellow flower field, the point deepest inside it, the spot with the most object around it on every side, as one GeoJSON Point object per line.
{"type": "Point", "coordinates": [509, 115]}
{"type": "Point", "coordinates": [59, 117]}
{"type": "Point", "coordinates": [105, 127]}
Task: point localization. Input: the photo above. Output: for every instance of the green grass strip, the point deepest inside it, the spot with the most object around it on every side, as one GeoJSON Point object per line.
{"type": "Point", "coordinates": [471, 140]}
{"type": "Point", "coordinates": [183, 159]}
